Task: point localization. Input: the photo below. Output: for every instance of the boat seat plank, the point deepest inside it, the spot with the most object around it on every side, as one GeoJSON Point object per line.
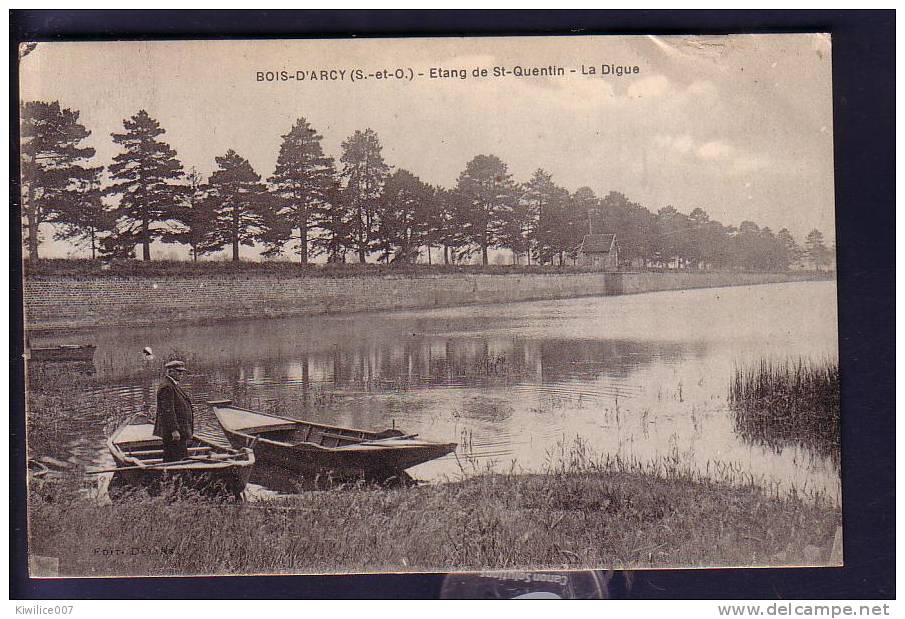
{"type": "Point", "coordinates": [151, 452]}
{"type": "Point", "coordinates": [386, 445]}
{"type": "Point", "coordinates": [247, 421]}
{"type": "Point", "coordinates": [137, 433]}
{"type": "Point", "coordinates": [344, 437]}
{"type": "Point", "coordinates": [269, 428]}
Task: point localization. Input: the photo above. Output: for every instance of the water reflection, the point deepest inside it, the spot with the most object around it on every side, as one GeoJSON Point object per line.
{"type": "Point", "coordinates": [640, 376]}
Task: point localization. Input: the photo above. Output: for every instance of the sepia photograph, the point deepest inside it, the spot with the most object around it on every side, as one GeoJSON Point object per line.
{"type": "Point", "coordinates": [515, 306]}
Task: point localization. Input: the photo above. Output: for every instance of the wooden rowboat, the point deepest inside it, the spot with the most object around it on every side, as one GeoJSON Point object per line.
{"type": "Point", "coordinates": [312, 448]}
{"type": "Point", "coordinates": [209, 468]}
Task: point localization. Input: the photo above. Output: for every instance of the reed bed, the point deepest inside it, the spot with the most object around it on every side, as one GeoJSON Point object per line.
{"type": "Point", "coordinates": [66, 401]}
{"type": "Point", "coordinates": [779, 403]}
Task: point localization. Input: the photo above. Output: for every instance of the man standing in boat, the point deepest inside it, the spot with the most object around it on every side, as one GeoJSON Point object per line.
{"type": "Point", "coordinates": [175, 422]}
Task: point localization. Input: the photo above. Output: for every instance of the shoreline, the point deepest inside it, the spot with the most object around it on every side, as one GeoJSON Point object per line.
{"type": "Point", "coordinates": [577, 518]}
{"type": "Point", "coordinates": [55, 304]}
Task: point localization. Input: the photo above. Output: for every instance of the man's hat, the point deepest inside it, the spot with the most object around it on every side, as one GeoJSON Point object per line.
{"type": "Point", "coordinates": [175, 365]}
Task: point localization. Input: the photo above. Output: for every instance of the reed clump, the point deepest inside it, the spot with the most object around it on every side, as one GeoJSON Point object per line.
{"type": "Point", "coordinates": [785, 402]}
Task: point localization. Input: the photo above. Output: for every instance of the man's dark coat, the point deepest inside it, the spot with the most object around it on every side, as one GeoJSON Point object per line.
{"type": "Point", "coordinates": [174, 411]}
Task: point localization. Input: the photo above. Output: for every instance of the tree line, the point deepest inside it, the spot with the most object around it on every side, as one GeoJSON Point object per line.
{"type": "Point", "coordinates": [358, 207]}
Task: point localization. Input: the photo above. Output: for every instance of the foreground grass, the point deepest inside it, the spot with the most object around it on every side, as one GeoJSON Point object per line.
{"type": "Point", "coordinates": [617, 515]}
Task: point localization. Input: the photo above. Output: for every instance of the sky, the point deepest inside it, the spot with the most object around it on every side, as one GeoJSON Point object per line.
{"type": "Point", "coordinates": [740, 126]}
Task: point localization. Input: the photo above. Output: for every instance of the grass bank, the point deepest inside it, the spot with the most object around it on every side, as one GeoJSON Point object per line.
{"type": "Point", "coordinates": [579, 514]}
{"type": "Point", "coordinates": [182, 268]}
{"type": "Point", "coordinates": [73, 267]}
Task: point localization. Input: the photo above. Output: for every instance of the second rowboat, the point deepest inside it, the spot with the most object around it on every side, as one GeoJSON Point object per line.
{"type": "Point", "coordinates": [312, 448]}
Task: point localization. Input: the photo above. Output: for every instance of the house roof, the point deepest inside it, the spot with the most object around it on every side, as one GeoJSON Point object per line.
{"type": "Point", "coordinates": [597, 243]}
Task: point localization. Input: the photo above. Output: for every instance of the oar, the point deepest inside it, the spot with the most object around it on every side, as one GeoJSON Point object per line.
{"type": "Point", "coordinates": [190, 460]}
{"type": "Point", "coordinates": [139, 466]}
{"type": "Point", "coordinates": [404, 437]}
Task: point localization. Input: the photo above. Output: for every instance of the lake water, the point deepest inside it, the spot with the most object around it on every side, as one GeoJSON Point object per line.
{"type": "Point", "coordinates": [640, 376]}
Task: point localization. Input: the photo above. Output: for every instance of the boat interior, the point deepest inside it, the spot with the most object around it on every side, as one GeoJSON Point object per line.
{"type": "Point", "coordinates": [324, 436]}
{"type": "Point", "coordinates": [293, 432]}
{"type": "Point", "coordinates": [136, 441]}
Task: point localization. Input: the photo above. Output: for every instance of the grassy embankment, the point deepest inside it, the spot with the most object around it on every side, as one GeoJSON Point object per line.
{"type": "Point", "coordinates": [180, 268]}
{"type": "Point", "coordinates": [584, 512]}
{"type": "Point", "coordinates": [183, 268]}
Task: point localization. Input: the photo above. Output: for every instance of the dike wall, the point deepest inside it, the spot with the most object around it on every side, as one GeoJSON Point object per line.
{"type": "Point", "coordinates": [66, 302]}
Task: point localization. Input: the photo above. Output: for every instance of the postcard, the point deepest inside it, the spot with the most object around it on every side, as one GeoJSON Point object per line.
{"type": "Point", "coordinates": [518, 304]}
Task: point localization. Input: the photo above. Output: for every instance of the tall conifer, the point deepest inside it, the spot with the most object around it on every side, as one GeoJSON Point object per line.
{"type": "Point", "coordinates": [54, 177]}
{"type": "Point", "coordinates": [300, 184]}
{"type": "Point", "coordinates": [145, 175]}
{"type": "Point", "coordinates": [240, 201]}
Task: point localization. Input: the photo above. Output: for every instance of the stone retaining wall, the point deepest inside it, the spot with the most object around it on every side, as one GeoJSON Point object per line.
{"type": "Point", "coordinates": [58, 302]}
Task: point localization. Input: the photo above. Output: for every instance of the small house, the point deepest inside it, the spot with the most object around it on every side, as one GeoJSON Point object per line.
{"type": "Point", "coordinates": [598, 251]}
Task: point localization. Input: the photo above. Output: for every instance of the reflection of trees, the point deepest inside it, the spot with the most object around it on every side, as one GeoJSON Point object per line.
{"type": "Point", "coordinates": [432, 361]}
{"type": "Point", "coordinates": [410, 360]}
{"type": "Point", "coordinates": [119, 350]}
{"type": "Point", "coordinates": [393, 353]}
{"type": "Point", "coordinates": [590, 359]}
{"type": "Point", "coordinates": [318, 358]}
{"type": "Point", "coordinates": [306, 378]}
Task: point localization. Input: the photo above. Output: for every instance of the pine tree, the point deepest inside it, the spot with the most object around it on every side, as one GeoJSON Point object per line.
{"type": "Point", "coordinates": [120, 243]}
{"type": "Point", "coordinates": [545, 203]}
{"type": "Point", "coordinates": [489, 196]}
{"type": "Point", "coordinates": [516, 226]}
{"type": "Point", "coordinates": [403, 217]}
{"type": "Point", "coordinates": [333, 220]}
{"type": "Point", "coordinates": [54, 179]}
{"type": "Point", "coordinates": [634, 226]}
{"type": "Point", "coordinates": [239, 202]}
{"type": "Point", "coordinates": [448, 227]}
{"type": "Point", "coordinates": [193, 218]}
{"type": "Point", "coordinates": [815, 248]}
{"type": "Point", "coordinates": [697, 236]}
{"type": "Point", "coordinates": [83, 222]}
{"type": "Point", "coordinates": [365, 173]}
{"type": "Point", "coordinates": [577, 211]}
{"type": "Point", "coordinates": [146, 175]}
{"type": "Point", "coordinates": [300, 183]}
{"type": "Point", "coordinates": [792, 251]}
{"type": "Point", "coordinates": [433, 215]}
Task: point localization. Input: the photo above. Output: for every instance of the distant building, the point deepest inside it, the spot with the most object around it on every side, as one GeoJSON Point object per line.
{"type": "Point", "coordinates": [599, 251]}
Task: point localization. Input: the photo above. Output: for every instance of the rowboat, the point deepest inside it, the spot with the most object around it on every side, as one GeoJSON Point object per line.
{"type": "Point", "coordinates": [209, 468]}
{"type": "Point", "coordinates": [312, 448]}
{"type": "Point", "coordinates": [63, 353]}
